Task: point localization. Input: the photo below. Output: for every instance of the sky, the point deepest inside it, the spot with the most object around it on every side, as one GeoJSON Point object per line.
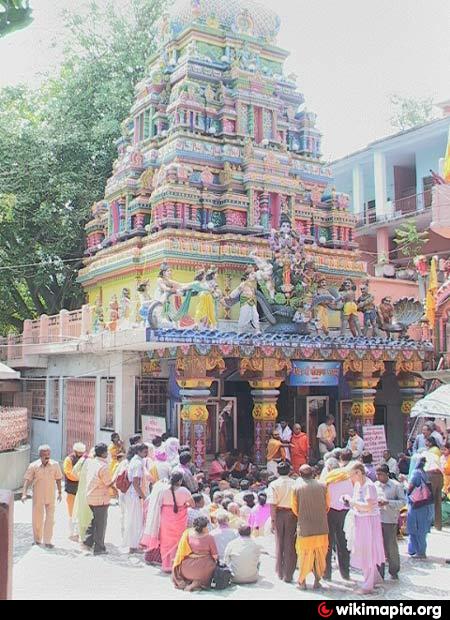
{"type": "Point", "coordinates": [349, 55]}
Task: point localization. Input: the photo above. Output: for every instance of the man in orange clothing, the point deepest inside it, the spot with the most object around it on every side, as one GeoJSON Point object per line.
{"type": "Point", "coordinates": [43, 475]}
{"type": "Point", "coordinates": [276, 453]}
{"type": "Point", "coordinates": [299, 448]}
{"type": "Point", "coordinates": [71, 484]}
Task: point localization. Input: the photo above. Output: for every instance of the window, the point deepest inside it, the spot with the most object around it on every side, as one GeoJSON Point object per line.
{"type": "Point", "coordinates": [151, 399]}
{"type": "Point", "coordinates": [54, 400]}
{"type": "Point", "coordinates": [36, 388]}
{"type": "Point", "coordinates": [107, 404]}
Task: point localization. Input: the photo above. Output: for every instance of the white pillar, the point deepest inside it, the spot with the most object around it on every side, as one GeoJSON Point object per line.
{"type": "Point", "coordinates": [358, 190]}
{"type": "Point", "coordinates": [379, 172]}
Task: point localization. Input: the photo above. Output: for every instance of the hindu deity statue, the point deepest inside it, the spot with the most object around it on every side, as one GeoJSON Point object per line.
{"type": "Point", "coordinates": [98, 319]}
{"type": "Point", "coordinates": [113, 314]}
{"type": "Point", "coordinates": [246, 294]}
{"type": "Point", "coordinates": [366, 305]}
{"type": "Point", "coordinates": [125, 309]}
{"type": "Point", "coordinates": [349, 311]}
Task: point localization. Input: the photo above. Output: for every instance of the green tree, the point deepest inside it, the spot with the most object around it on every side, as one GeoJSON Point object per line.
{"type": "Point", "coordinates": [409, 240]}
{"type": "Point", "coordinates": [14, 15]}
{"type": "Point", "coordinates": [409, 112]}
{"type": "Point", "coordinates": [57, 146]}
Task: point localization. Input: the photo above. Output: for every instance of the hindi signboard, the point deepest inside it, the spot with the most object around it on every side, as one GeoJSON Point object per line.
{"type": "Point", "coordinates": [314, 373]}
{"type": "Point", "coordinates": [375, 442]}
{"type": "Point", "coordinates": [152, 426]}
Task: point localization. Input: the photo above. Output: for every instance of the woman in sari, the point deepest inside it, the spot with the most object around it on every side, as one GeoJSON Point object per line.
{"type": "Point", "coordinates": [82, 514]}
{"type": "Point", "coordinates": [367, 548]}
{"type": "Point", "coordinates": [433, 457]}
{"type": "Point", "coordinates": [196, 558]}
{"type": "Point", "coordinates": [420, 513]}
{"type": "Point", "coordinates": [172, 448]}
{"type": "Point", "coordinates": [166, 519]}
{"type": "Point", "coordinates": [445, 466]}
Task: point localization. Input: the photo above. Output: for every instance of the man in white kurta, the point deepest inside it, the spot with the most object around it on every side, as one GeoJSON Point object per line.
{"type": "Point", "coordinates": [134, 500]}
{"type": "Point", "coordinates": [286, 436]}
{"type": "Point", "coordinates": [326, 434]}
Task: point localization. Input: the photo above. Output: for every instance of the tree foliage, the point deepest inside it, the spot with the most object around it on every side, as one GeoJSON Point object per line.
{"type": "Point", "coordinates": [14, 15]}
{"type": "Point", "coordinates": [57, 146]}
{"type": "Point", "coordinates": [410, 112]}
{"type": "Point", "coordinates": [409, 240]}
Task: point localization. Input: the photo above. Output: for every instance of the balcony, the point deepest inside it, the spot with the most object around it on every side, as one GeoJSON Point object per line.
{"type": "Point", "coordinates": [394, 211]}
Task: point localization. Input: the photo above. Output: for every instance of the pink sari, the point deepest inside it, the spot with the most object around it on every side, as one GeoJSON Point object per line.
{"type": "Point", "coordinates": [164, 527]}
{"type": "Point", "coordinates": [216, 471]}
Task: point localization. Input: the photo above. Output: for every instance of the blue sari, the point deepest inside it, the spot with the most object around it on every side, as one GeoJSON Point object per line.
{"type": "Point", "coordinates": [419, 520]}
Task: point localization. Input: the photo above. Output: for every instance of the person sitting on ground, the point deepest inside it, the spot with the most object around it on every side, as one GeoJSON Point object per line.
{"type": "Point", "coordinates": [198, 511]}
{"type": "Point", "coordinates": [135, 440]}
{"type": "Point", "coordinates": [236, 521]}
{"type": "Point", "coordinates": [243, 557]}
{"type": "Point", "coordinates": [245, 490]}
{"type": "Point", "coordinates": [215, 505]}
{"type": "Point", "coordinates": [249, 504]}
{"type": "Point", "coordinates": [205, 491]}
{"type": "Point", "coordinates": [345, 460]}
{"type": "Point", "coordinates": [355, 444]}
{"type": "Point", "coordinates": [261, 481]}
{"type": "Point", "coordinates": [218, 467]}
{"type": "Point", "coordinates": [367, 461]}
{"type": "Point", "coordinates": [223, 534]}
{"type": "Point", "coordinates": [196, 558]}
{"type": "Point", "coordinates": [392, 464]}
{"type": "Point", "coordinates": [260, 516]}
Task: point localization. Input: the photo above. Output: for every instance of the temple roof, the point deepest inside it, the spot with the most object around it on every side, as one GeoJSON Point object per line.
{"type": "Point", "coordinates": [239, 16]}
{"type": "Point", "coordinates": [285, 341]}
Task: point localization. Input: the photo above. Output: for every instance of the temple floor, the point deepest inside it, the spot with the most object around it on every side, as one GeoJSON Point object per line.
{"type": "Point", "coordinates": [67, 573]}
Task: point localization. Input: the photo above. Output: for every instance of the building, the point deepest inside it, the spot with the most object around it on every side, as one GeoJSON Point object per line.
{"type": "Point", "coordinates": [390, 183]}
{"type": "Point", "coordinates": [215, 155]}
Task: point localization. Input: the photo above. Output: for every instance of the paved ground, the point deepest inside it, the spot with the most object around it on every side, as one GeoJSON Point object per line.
{"type": "Point", "coordinates": [39, 573]}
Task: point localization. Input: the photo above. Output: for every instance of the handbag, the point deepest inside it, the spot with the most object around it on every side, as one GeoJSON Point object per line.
{"type": "Point", "coordinates": [422, 495]}
{"type": "Point", "coordinates": [222, 577]}
{"type": "Point", "coordinates": [122, 482]}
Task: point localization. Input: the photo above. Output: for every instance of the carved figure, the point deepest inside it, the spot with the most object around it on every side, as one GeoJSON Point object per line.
{"type": "Point", "coordinates": [349, 312]}
{"type": "Point", "coordinates": [125, 309]}
{"type": "Point", "coordinates": [98, 320]}
{"type": "Point", "coordinates": [113, 314]}
{"type": "Point", "coordinates": [264, 276]}
{"type": "Point", "coordinates": [366, 305]}
{"type": "Point", "coordinates": [246, 294]}
{"type": "Point", "coordinates": [209, 298]}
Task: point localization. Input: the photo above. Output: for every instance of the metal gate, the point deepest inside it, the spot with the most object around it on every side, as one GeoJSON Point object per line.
{"type": "Point", "coordinates": [79, 407]}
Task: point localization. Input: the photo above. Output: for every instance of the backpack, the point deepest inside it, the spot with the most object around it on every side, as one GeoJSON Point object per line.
{"type": "Point", "coordinates": [122, 482]}
{"type": "Point", "coordinates": [222, 577]}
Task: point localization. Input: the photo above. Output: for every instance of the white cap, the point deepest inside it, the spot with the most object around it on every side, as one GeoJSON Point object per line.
{"type": "Point", "coordinates": [79, 447]}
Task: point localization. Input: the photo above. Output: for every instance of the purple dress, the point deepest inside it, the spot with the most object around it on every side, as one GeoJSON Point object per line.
{"type": "Point", "coordinates": [368, 548]}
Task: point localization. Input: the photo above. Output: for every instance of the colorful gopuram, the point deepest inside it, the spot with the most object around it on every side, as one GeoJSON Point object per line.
{"type": "Point", "coordinates": [221, 233]}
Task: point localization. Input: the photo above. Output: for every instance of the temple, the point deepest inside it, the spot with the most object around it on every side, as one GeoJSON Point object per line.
{"type": "Point", "coordinates": [219, 190]}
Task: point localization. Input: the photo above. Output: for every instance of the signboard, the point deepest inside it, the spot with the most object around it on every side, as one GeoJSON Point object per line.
{"type": "Point", "coordinates": [152, 426]}
{"type": "Point", "coordinates": [314, 373]}
{"type": "Point", "coordinates": [375, 442]}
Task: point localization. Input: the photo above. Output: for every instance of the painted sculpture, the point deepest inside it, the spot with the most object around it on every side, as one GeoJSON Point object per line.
{"type": "Point", "coordinates": [396, 318]}
{"type": "Point", "coordinates": [366, 305]}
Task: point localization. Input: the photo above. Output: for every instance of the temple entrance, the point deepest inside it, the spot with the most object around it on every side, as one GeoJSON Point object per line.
{"type": "Point", "coordinates": [241, 390]}
{"type": "Point", "coordinates": [221, 428]}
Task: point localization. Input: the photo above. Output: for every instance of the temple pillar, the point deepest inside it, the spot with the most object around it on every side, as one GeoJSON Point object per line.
{"type": "Point", "coordinates": [264, 211]}
{"type": "Point", "coordinates": [411, 391]}
{"type": "Point", "coordinates": [363, 378]}
{"type": "Point", "coordinates": [265, 375]}
{"type": "Point", "coordinates": [194, 378]}
{"type": "Point", "coordinates": [265, 394]}
{"type": "Point", "coordinates": [194, 415]}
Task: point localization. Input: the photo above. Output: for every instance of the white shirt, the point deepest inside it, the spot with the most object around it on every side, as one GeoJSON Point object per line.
{"type": "Point", "coordinates": [356, 445]}
{"type": "Point", "coordinates": [135, 470]}
{"type": "Point", "coordinates": [393, 466]}
{"type": "Point", "coordinates": [285, 435]}
{"type": "Point", "coordinates": [242, 556]}
{"type": "Point", "coordinates": [326, 432]}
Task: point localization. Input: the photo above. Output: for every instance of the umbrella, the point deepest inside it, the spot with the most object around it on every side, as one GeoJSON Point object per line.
{"type": "Point", "coordinates": [434, 405]}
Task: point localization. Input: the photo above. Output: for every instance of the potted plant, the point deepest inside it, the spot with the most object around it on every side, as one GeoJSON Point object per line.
{"type": "Point", "coordinates": [410, 243]}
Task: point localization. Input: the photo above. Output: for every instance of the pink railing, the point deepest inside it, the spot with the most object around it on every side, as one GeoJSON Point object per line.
{"type": "Point", "coordinates": [74, 324]}
{"type": "Point", "coordinates": [54, 333]}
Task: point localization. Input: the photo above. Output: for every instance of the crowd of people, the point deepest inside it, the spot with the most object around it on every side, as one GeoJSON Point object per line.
{"type": "Point", "coordinates": [195, 523]}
